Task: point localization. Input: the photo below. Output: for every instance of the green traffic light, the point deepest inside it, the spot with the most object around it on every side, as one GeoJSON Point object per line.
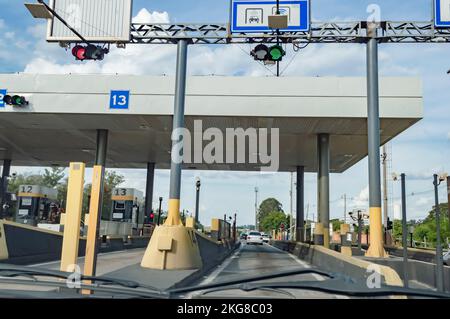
{"type": "Point", "coordinates": [18, 100]}
{"type": "Point", "coordinates": [276, 53]}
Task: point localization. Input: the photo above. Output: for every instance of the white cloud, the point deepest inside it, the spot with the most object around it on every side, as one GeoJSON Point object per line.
{"type": "Point", "coordinates": [362, 200]}
{"type": "Point", "coordinates": [145, 16]}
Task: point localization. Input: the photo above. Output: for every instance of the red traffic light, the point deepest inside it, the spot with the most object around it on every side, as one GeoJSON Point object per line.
{"type": "Point", "coordinates": [89, 52]}
{"type": "Point", "coordinates": [79, 52]}
{"type": "Point", "coordinates": [152, 215]}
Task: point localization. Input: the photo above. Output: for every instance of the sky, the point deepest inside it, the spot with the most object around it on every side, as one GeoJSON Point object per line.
{"type": "Point", "coordinates": [421, 151]}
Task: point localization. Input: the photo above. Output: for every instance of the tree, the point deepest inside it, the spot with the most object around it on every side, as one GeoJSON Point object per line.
{"type": "Point", "coordinates": [273, 221]}
{"type": "Point", "coordinates": [268, 206]}
{"type": "Point", "coordinates": [336, 224]}
{"type": "Point", "coordinates": [53, 177]}
{"type": "Point", "coordinates": [427, 227]}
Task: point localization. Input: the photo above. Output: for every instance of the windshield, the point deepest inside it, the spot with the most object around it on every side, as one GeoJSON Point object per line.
{"type": "Point", "coordinates": [231, 149]}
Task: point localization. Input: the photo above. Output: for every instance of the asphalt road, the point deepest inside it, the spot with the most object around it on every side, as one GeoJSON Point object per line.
{"type": "Point", "coordinates": [252, 260]}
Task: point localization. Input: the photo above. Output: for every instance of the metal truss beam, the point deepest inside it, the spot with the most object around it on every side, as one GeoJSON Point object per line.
{"type": "Point", "coordinates": [326, 32]}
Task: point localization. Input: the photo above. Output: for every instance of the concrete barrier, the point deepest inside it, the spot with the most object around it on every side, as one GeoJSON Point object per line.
{"type": "Point", "coordinates": [419, 271]}
{"type": "Point", "coordinates": [26, 245]}
{"type": "Point", "coordinates": [413, 253]}
{"type": "Point", "coordinates": [335, 262]}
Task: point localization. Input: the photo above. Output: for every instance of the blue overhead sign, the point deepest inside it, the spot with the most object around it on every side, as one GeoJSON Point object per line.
{"type": "Point", "coordinates": [119, 100]}
{"type": "Point", "coordinates": [2, 95]}
{"type": "Point", "coordinates": [442, 13]}
{"type": "Point", "coordinates": [252, 16]}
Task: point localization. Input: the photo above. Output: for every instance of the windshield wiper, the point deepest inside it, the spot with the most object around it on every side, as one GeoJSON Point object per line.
{"type": "Point", "coordinates": [30, 272]}
{"type": "Point", "coordinates": [336, 284]}
{"type": "Point", "coordinates": [347, 288]}
{"type": "Point", "coordinates": [241, 280]}
{"type": "Point", "coordinates": [108, 291]}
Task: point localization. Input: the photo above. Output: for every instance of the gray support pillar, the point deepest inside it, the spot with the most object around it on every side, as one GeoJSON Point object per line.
{"type": "Point", "coordinates": [100, 160]}
{"type": "Point", "coordinates": [102, 147]}
{"type": "Point", "coordinates": [323, 185]}
{"type": "Point", "coordinates": [149, 188]}
{"type": "Point", "coordinates": [4, 184]}
{"type": "Point", "coordinates": [173, 217]}
{"type": "Point", "coordinates": [376, 248]}
{"type": "Point", "coordinates": [300, 218]}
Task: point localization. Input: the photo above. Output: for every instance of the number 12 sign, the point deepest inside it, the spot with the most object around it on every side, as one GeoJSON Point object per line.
{"type": "Point", "coordinates": [119, 100]}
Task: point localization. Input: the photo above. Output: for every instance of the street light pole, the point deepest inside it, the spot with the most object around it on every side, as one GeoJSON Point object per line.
{"type": "Point", "coordinates": [197, 197]}
{"type": "Point", "coordinates": [404, 233]}
{"type": "Point", "coordinates": [439, 259]}
{"type": "Point", "coordinates": [256, 208]}
{"type": "Point", "coordinates": [159, 215]}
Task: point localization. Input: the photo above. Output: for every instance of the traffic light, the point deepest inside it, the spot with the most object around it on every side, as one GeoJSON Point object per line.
{"type": "Point", "coordinates": [263, 53]}
{"type": "Point", "coordinates": [151, 217]}
{"type": "Point", "coordinates": [89, 52]}
{"type": "Point", "coordinates": [260, 52]}
{"type": "Point", "coordinates": [15, 100]}
{"type": "Point", "coordinates": [276, 53]}
{"type": "Point", "coordinates": [390, 224]}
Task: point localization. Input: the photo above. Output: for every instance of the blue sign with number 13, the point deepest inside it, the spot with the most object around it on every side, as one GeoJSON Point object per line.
{"type": "Point", "coordinates": [119, 100]}
{"type": "Point", "coordinates": [2, 95]}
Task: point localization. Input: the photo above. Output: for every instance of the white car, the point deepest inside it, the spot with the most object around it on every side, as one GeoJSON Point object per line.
{"type": "Point", "coordinates": [255, 238]}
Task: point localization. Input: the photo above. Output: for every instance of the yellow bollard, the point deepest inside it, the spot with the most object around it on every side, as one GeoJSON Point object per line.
{"type": "Point", "coordinates": [69, 254]}
{"type": "Point", "coordinates": [93, 220]}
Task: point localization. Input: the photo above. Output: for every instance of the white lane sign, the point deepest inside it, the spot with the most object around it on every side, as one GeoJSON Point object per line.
{"type": "Point", "coordinates": [252, 16]}
{"type": "Point", "coordinates": [442, 13]}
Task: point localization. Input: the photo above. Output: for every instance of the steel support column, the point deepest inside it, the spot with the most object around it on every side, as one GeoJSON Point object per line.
{"type": "Point", "coordinates": [96, 205]}
{"type": "Point", "coordinates": [323, 185]}
{"type": "Point", "coordinates": [376, 248]}
{"type": "Point", "coordinates": [300, 218]}
{"type": "Point", "coordinates": [173, 217]}
{"type": "Point", "coordinates": [102, 147]}
{"type": "Point", "coordinates": [4, 184]}
{"type": "Point", "coordinates": [149, 188]}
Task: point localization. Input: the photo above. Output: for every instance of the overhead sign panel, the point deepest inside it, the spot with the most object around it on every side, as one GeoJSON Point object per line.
{"type": "Point", "coordinates": [97, 21]}
{"type": "Point", "coordinates": [252, 16]}
{"type": "Point", "coordinates": [442, 13]}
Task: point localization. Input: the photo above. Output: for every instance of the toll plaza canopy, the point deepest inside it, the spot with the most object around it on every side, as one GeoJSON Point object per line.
{"type": "Point", "coordinates": [65, 111]}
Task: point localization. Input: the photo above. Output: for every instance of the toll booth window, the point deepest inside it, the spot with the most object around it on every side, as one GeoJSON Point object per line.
{"type": "Point", "coordinates": [26, 201]}
{"type": "Point", "coordinates": [120, 205]}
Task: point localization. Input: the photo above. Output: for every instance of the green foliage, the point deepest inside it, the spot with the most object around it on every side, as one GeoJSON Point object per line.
{"type": "Point", "coordinates": [336, 224]}
{"type": "Point", "coordinates": [53, 177]}
{"type": "Point", "coordinates": [273, 221]}
{"type": "Point", "coordinates": [427, 228]}
{"type": "Point", "coordinates": [268, 206]}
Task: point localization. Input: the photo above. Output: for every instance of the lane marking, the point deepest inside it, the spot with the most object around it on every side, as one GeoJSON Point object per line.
{"type": "Point", "coordinates": [300, 262]}
{"type": "Point", "coordinates": [221, 268]}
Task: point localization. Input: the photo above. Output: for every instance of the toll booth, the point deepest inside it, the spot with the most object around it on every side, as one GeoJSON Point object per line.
{"type": "Point", "coordinates": [128, 207]}
{"type": "Point", "coordinates": [34, 204]}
